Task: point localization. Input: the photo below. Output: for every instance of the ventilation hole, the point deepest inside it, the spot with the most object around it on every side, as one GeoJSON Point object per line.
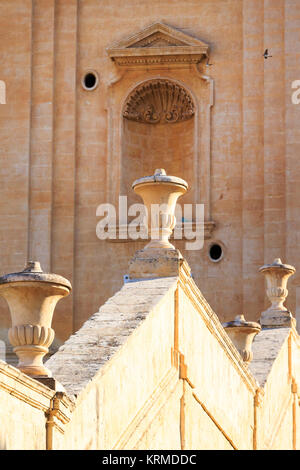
{"type": "Point", "coordinates": [90, 81]}
{"type": "Point", "coordinates": [215, 252]}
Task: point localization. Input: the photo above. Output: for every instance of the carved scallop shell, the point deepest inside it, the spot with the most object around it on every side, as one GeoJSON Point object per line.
{"type": "Point", "coordinates": [159, 101]}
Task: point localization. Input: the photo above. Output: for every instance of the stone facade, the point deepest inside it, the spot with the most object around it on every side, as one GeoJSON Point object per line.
{"type": "Point", "coordinates": [66, 149]}
{"type": "Point", "coordinates": [231, 131]}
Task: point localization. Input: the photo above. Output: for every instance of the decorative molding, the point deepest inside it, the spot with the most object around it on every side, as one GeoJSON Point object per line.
{"type": "Point", "coordinates": [206, 162]}
{"type": "Point", "coordinates": [57, 406]}
{"type": "Point", "coordinates": [158, 44]}
{"type": "Point", "coordinates": [58, 414]}
{"type": "Point", "coordinates": [294, 387]}
{"type": "Point", "coordinates": [159, 101]}
{"type": "Point", "coordinates": [259, 396]}
{"type": "Point", "coordinates": [21, 335]}
{"type": "Point", "coordinates": [183, 375]}
{"type": "Point", "coordinates": [24, 388]}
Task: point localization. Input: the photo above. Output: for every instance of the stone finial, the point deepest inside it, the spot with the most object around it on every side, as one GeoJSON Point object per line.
{"type": "Point", "coordinates": [242, 333]}
{"type": "Point", "coordinates": [160, 193]}
{"type": "Point", "coordinates": [160, 172]}
{"type": "Point", "coordinates": [163, 191]}
{"type": "Point", "coordinates": [277, 275]}
{"type": "Point", "coordinates": [32, 296]}
{"type": "Point", "coordinates": [33, 267]}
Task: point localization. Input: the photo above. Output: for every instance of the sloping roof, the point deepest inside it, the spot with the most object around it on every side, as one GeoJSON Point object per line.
{"type": "Point", "coordinates": [82, 356]}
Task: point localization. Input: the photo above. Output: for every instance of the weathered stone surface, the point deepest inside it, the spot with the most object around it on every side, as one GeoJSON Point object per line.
{"type": "Point", "coordinates": [51, 383]}
{"type": "Point", "coordinates": [150, 263]}
{"type": "Point", "coordinates": [238, 154]}
{"type": "Point", "coordinates": [145, 378]}
{"type": "Point", "coordinates": [84, 353]}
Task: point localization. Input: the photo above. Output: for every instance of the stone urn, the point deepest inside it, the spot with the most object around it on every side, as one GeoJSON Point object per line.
{"type": "Point", "coordinates": [160, 193]}
{"type": "Point", "coordinates": [32, 296]}
{"type": "Point", "coordinates": [277, 275]}
{"type": "Point", "coordinates": [242, 333]}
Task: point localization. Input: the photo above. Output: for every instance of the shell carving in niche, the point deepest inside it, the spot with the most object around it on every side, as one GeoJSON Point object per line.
{"type": "Point", "coordinates": [159, 101]}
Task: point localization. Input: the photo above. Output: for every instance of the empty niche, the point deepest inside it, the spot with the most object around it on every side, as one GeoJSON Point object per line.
{"type": "Point", "coordinates": [158, 132]}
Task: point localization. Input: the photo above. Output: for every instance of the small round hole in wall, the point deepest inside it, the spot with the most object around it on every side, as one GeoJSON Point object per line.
{"type": "Point", "coordinates": [215, 252]}
{"type": "Point", "coordinates": [90, 80]}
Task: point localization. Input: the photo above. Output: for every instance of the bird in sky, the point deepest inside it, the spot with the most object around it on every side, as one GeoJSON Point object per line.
{"type": "Point", "coordinates": [266, 54]}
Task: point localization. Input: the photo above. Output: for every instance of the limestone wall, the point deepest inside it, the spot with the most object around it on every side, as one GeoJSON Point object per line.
{"type": "Point", "coordinates": [56, 139]}
{"type": "Point", "coordinates": [275, 365]}
{"type": "Point", "coordinates": [277, 413]}
{"type": "Point", "coordinates": [167, 385]}
{"type": "Point", "coordinates": [171, 385]}
{"type": "Point", "coordinates": [23, 403]}
{"type": "Point", "coordinates": [154, 369]}
{"type": "Point", "coordinates": [215, 375]}
{"type": "Point", "coordinates": [117, 406]}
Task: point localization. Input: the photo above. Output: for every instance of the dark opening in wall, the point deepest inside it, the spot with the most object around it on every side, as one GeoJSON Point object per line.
{"type": "Point", "coordinates": [215, 252]}
{"type": "Point", "coordinates": [90, 81]}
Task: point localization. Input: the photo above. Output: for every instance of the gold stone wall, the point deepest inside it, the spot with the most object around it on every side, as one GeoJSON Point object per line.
{"type": "Point", "coordinates": [155, 369]}
{"type": "Point", "coordinates": [63, 148]}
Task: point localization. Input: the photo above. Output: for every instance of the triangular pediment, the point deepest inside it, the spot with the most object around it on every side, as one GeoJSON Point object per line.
{"type": "Point", "coordinates": [158, 43]}
{"type": "Point", "coordinates": [158, 39]}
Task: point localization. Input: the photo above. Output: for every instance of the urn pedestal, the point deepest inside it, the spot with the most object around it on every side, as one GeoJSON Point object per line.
{"type": "Point", "coordinates": [277, 275]}
{"type": "Point", "coordinates": [242, 333]}
{"type": "Point", "coordinates": [32, 296]}
{"type": "Point", "coordinates": [160, 193]}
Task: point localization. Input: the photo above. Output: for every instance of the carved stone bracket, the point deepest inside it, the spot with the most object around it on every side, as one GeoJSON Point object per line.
{"type": "Point", "coordinates": [159, 101]}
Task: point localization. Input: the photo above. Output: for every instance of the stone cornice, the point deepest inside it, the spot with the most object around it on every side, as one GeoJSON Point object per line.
{"type": "Point", "coordinates": [24, 387]}
{"type": "Point", "coordinates": [57, 406]}
{"type": "Point", "coordinates": [158, 44]}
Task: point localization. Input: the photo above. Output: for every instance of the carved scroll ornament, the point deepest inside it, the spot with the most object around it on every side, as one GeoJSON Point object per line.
{"type": "Point", "coordinates": [159, 101]}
